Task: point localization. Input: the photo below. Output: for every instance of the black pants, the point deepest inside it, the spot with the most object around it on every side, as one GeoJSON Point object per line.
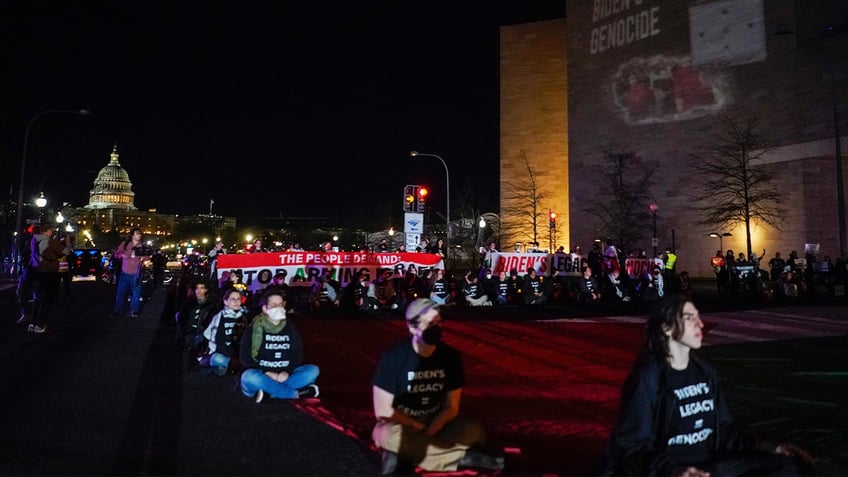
{"type": "Point", "coordinates": [46, 288]}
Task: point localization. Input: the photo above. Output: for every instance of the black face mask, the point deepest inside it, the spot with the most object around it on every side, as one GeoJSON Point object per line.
{"type": "Point", "coordinates": [432, 335]}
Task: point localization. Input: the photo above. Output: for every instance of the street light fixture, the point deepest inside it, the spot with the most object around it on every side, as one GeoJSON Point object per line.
{"type": "Point", "coordinates": [721, 238]}
{"type": "Point", "coordinates": [654, 208]}
{"type": "Point", "coordinates": [447, 193]}
{"type": "Point", "coordinates": [20, 204]}
{"type": "Point", "coordinates": [41, 202]}
{"type": "Point", "coordinates": [59, 217]}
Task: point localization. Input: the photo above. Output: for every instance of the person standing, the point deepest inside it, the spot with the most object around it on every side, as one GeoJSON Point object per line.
{"type": "Point", "coordinates": [159, 261]}
{"type": "Point", "coordinates": [272, 351]}
{"type": "Point", "coordinates": [45, 254]}
{"type": "Point", "coordinates": [129, 282]}
{"type": "Point", "coordinates": [674, 420]}
{"type": "Point", "coordinates": [213, 255]}
{"type": "Point", "coordinates": [416, 392]}
{"type": "Point", "coordinates": [23, 292]}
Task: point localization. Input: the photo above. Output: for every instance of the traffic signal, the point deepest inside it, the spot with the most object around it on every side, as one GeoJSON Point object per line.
{"type": "Point", "coordinates": [423, 192]}
{"type": "Point", "coordinates": [552, 218]}
{"type": "Point", "coordinates": [409, 198]}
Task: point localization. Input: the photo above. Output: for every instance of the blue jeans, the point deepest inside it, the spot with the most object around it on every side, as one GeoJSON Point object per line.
{"type": "Point", "coordinates": [253, 379]}
{"type": "Point", "coordinates": [219, 360]}
{"type": "Point", "coordinates": [128, 283]}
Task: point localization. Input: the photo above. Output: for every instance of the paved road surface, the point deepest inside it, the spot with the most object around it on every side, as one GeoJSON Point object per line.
{"type": "Point", "coordinates": [98, 395]}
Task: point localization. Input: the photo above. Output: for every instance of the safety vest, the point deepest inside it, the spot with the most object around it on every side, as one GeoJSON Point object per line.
{"type": "Point", "coordinates": [672, 258]}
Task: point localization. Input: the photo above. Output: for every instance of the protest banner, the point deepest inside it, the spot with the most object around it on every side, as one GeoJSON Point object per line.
{"type": "Point", "coordinates": [303, 268]}
{"type": "Point", "coordinates": [520, 262]}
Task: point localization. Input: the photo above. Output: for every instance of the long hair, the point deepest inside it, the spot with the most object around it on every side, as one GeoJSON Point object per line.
{"type": "Point", "coordinates": [665, 316]}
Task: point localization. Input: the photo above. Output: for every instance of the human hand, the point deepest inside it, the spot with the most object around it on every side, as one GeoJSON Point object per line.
{"type": "Point", "coordinates": [282, 376]}
{"type": "Point", "coordinates": [691, 472]}
{"type": "Point", "coordinates": [792, 450]}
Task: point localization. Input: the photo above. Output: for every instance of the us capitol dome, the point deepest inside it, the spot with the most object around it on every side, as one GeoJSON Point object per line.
{"type": "Point", "coordinates": [112, 187]}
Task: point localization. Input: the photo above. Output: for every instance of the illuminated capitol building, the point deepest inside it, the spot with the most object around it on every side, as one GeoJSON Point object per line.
{"type": "Point", "coordinates": [111, 206]}
{"type": "Point", "coordinates": [653, 81]}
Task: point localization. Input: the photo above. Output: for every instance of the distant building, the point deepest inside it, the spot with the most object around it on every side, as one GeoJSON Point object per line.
{"type": "Point", "coordinates": [111, 206]}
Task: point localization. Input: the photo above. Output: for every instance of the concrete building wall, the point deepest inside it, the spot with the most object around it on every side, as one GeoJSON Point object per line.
{"type": "Point", "coordinates": [534, 124]}
{"type": "Point", "coordinates": [655, 77]}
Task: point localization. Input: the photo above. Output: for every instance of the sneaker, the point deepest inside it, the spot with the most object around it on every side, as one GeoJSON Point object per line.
{"type": "Point", "coordinates": [23, 319]}
{"type": "Point", "coordinates": [310, 391]}
{"type": "Point", "coordinates": [260, 395]}
{"type": "Point", "coordinates": [388, 463]}
{"type": "Point", "coordinates": [481, 460]}
{"type": "Point", "coordinates": [36, 329]}
{"type": "Point", "coordinates": [133, 315]}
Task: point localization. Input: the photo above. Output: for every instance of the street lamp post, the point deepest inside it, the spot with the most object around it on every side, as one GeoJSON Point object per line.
{"type": "Point", "coordinates": [654, 208]}
{"type": "Point", "coordinates": [447, 194]}
{"type": "Point", "coordinates": [41, 202]}
{"type": "Point", "coordinates": [721, 238]}
{"type": "Point", "coordinates": [19, 209]}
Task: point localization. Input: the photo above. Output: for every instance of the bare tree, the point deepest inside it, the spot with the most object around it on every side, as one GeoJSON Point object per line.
{"type": "Point", "coordinates": [522, 213]}
{"type": "Point", "coordinates": [732, 191]}
{"type": "Point", "coordinates": [621, 204]}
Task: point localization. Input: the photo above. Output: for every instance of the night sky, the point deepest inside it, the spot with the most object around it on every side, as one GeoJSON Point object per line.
{"type": "Point", "coordinates": [270, 110]}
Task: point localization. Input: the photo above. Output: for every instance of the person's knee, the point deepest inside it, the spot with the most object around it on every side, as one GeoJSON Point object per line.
{"type": "Point", "coordinates": [310, 371]}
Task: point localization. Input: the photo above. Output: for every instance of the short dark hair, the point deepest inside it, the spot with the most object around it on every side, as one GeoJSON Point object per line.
{"type": "Point", "coordinates": [269, 292]}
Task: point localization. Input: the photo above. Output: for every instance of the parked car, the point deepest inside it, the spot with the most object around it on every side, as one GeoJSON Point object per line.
{"type": "Point", "coordinates": [86, 262]}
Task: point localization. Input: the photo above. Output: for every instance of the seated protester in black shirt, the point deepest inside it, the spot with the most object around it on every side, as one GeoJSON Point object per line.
{"type": "Point", "coordinates": [194, 317]}
{"type": "Point", "coordinates": [587, 288]}
{"type": "Point", "coordinates": [224, 333]}
{"type": "Point", "coordinates": [532, 290]}
{"type": "Point", "coordinates": [440, 290]}
{"type": "Point", "coordinates": [501, 296]}
{"type": "Point", "coordinates": [674, 420]}
{"type": "Point", "coordinates": [416, 394]}
{"type": "Point", "coordinates": [473, 291]}
{"type": "Point", "coordinates": [490, 285]}
{"type": "Point", "coordinates": [514, 284]}
{"type": "Point", "coordinates": [381, 293]}
{"type": "Point", "coordinates": [271, 350]}
{"type": "Point", "coordinates": [354, 295]}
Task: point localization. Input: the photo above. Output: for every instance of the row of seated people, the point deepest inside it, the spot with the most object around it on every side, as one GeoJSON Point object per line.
{"type": "Point", "coordinates": [388, 293]}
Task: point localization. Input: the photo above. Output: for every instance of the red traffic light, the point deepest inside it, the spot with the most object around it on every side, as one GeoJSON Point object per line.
{"type": "Point", "coordinates": [422, 192]}
{"type": "Point", "coordinates": [552, 215]}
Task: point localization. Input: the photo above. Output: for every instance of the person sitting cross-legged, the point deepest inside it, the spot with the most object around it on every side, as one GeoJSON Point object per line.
{"type": "Point", "coordinates": [416, 394]}
{"type": "Point", "coordinates": [272, 351]}
{"type": "Point", "coordinates": [224, 331]}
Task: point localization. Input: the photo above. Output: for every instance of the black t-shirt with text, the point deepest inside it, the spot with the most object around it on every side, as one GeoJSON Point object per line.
{"type": "Point", "coordinates": [692, 425]}
{"type": "Point", "coordinates": [419, 384]}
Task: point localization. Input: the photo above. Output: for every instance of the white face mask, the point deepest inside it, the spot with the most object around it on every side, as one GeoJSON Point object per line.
{"type": "Point", "coordinates": [276, 314]}
{"type": "Point", "coordinates": [489, 276]}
